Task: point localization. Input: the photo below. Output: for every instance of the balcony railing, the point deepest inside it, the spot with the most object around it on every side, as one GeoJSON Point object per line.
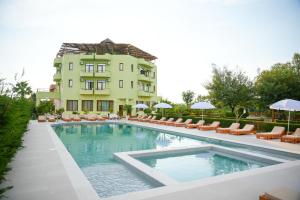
{"type": "Point", "coordinates": [57, 62]}
{"type": "Point", "coordinates": [105, 91]}
{"type": "Point", "coordinates": [86, 91]}
{"type": "Point", "coordinates": [57, 77]}
{"type": "Point", "coordinates": [143, 93]}
{"type": "Point", "coordinates": [143, 62]}
{"type": "Point", "coordinates": [102, 74]}
{"type": "Point", "coordinates": [84, 73]}
{"type": "Point", "coordinates": [142, 77]}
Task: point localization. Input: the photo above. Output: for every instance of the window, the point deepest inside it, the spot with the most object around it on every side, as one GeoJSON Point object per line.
{"type": "Point", "coordinates": [101, 85]}
{"type": "Point", "coordinates": [89, 84]}
{"type": "Point", "coordinates": [131, 67]}
{"type": "Point", "coordinates": [131, 84]}
{"type": "Point", "coordinates": [121, 67]}
{"type": "Point", "coordinates": [87, 105]}
{"type": "Point", "coordinates": [70, 66]}
{"type": "Point", "coordinates": [101, 68]}
{"type": "Point", "coordinates": [154, 88]}
{"type": "Point", "coordinates": [153, 74]}
{"type": "Point", "coordinates": [89, 67]}
{"type": "Point", "coordinates": [72, 105]}
{"type": "Point", "coordinates": [120, 83]}
{"type": "Point", "coordinates": [104, 105]}
{"type": "Point", "coordinates": [70, 83]}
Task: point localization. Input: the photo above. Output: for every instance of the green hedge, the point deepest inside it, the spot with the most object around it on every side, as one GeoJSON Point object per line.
{"type": "Point", "coordinates": [14, 117]}
{"type": "Point", "coordinates": [260, 125]}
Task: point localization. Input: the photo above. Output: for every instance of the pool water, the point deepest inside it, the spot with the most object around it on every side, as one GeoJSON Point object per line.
{"type": "Point", "coordinates": [199, 165]}
{"type": "Point", "coordinates": [92, 147]}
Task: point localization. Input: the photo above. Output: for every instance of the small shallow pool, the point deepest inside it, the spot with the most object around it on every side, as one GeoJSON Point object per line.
{"type": "Point", "coordinates": [199, 165]}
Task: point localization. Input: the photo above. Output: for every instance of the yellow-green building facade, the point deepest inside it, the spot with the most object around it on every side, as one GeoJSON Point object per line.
{"type": "Point", "coordinates": [102, 78]}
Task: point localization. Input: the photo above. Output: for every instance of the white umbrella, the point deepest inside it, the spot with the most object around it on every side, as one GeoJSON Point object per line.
{"type": "Point", "coordinates": [141, 105]}
{"type": "Point", "coordinates": [287, 105]}
{"type": "Point", "coordinates": [162, 105]}
{"type": "Point", "coordinates": [203, 106]}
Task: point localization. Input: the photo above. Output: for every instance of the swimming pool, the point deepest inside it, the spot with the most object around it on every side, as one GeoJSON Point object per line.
{"type": "Point", "coordinates": [92, 146]}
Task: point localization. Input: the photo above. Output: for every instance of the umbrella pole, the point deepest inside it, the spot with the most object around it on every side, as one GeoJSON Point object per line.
{"type": "Point", "coordinates": [289, 121]}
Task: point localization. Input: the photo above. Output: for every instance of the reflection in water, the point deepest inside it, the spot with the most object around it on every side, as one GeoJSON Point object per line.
{"type": "Point", "coordinates": [94, 144]}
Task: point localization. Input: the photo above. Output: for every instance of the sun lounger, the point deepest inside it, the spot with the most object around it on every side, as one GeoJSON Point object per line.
{"type": "Point", "coordinates": [233, 126]}
{"type": "Point", "coordinates": [76, 118]}
{"type": "Point", "coordinates": [172, 123]}
{"type": "Point", "coordinates": [148, 120]}
{"type": "Point", "coordinates": [276, 133]}
{"type": "Point", "coordinates": [212, 126]}
{"type": "Point", "coordinates": [135, 118]}
{"type": "Point", "coordinates": [292, 138]}
{"type": "Point", "coordinates": [164, 122]}
{"type": "Point", "coordinates": [66, 118]}
{"type": "Point", "coordinates": [91, 117]}
{"type": "Point", "coordinates": [247, 129]}
{"type": "Point", "coordinates": [199, 123]}
{"type": "Point", "coordinates": [51, 118]}
{"type": "Point", "coordinates": [145, 118]}
{"type": "Point", "coordinates": [42, 118]}
{"type": "Point", "coordinates": [183, 124]}
{"type": "Point", "coordinates": [160, 120]}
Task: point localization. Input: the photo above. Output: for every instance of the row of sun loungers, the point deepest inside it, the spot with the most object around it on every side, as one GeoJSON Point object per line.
{"type": "Point", "coordinates": [76, 118]}
{"type": "Point", "coordinates": [234, 129]}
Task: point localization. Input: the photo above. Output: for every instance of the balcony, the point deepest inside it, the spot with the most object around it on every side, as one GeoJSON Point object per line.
{"type": "Point", "coordinates": [143, 93]}
{"type": "Point", "coordinates": [86, 74]}
{"type": "Point", "coordinates": [142, 77]}
{"type": "Point", "coordinates": [105, 91]}
{"type": "Point", "coordinates": [103, 74]}
{"type": "Point", "coordinates": [86, 56]}
{"type": "Point", "coordinates": [58, 62]}
{"type": "Point", "coordinates": [103, 57]}
{"type": "Point", "coordinates": [143, 62]}
{"type": "Point", "coordinates": [46, 94]}
{"type": "Point", "coordinates": [57, 77]}
{"type": "Point", "coordinates": [86, 91]}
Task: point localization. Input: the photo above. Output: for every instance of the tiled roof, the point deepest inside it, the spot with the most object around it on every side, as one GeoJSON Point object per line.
{"type": "Point", "coordinates": [106, 46]}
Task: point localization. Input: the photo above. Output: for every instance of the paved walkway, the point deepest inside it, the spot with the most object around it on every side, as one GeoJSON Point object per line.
{"type": "Point", "coordinates": [39, 172]}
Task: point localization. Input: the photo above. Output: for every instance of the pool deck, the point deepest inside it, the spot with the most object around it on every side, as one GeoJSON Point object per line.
{"type": "Point", "coordinates": [44, 170]}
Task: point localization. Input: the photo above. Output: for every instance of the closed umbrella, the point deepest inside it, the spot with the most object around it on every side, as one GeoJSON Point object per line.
{"type": "Point", "coordinates": [203, 105]}
{"type": "Point", "coordinates": [287, 105]}
{"type": "Point", "coordinates": [162, 105]}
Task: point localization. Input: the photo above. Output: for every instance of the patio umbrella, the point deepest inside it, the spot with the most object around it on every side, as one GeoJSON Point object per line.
{"type": "Point", "coordinates": [162, 105]}
{"type": "Point", "coordinates": [203, 106]}
{"type": "Point", "coordinates": [141, 105]}
{"type": "Point", "coordinates": [287, 105]}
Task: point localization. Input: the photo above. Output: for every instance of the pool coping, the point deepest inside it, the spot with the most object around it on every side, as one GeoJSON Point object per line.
{"type": "Point", "coordinates": [85, 190]}
{"type": "Point", "coordinates": [130, 159]}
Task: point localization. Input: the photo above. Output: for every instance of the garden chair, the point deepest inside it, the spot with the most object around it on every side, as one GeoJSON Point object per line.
{"type": "Point", "coordinates": [276, 133]}
{"type": "Point", "coordinates": [183, 124]}
{"type": "Point", "coordinates": [292, 138]}
{"type": "Point", "coordinates": [247, 129]}
{"type": "Point", "coordinates": [199, 123]}
{"type": "Point", "coordinates": [212, 126]}
{"type": "Point", "coordinates": [233, 126]}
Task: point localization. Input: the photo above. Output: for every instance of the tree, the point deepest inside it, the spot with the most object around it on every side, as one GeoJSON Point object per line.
{"type": "Point", "coordinates": [201, 98]}
{"type": "Point", "coordinates": [296, 62]}
{"type": "Point", "coordinates": [281, 82]}
{"type": "Point", "coordinates": [45, 107]}
{"type": "Point", "coordinates": [230, 88]}
{"type": "Point", "coordinates": [22, 89]}
{"type": "Point", "coordinates": [188, 97]}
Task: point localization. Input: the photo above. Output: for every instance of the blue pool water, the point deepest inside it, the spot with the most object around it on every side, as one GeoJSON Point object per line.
{"type": "Point", "coordinates": [198, 166]}
{"type": "Point", "coordinates": [92, 147]}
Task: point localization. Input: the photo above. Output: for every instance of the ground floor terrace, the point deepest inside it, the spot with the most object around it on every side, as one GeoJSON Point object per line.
{"type": "Point", "coordinates": [44, 169]}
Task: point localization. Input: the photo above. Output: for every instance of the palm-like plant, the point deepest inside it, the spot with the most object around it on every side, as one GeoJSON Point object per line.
{"type": "Point", "coordinates": [22, 89]}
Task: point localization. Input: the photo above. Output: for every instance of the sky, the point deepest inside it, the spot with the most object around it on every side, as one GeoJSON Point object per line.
{"type": "Point", "coordinates": [187, 36]}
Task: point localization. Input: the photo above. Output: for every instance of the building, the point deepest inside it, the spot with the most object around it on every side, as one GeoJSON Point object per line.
{"type": "Point", "coordinates": [101, 78]}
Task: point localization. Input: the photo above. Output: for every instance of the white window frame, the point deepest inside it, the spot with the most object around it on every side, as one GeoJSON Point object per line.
{"type": "Point", "coordinates": [89, 67]}
{"type": "Point", "coordinates": [102, 84]}
{"type": "Point", "coordinates": [121, 66]}
{"type": "Point", "coordinates": [121, 84]}
{"type": "Point", "coordinates": [71, 66]}
{"type": "Point", "coordinates": [70, 83]}
{"type": "Point", "coordinates": [89, 83]}
{"type": "Point", "coordinates": [102, 67]}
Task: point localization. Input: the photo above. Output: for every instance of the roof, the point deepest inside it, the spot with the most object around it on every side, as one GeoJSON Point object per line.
{"type": "Point", "coordinates": [106, 46]}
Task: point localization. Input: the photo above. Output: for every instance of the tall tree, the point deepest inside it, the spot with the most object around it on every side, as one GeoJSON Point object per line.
{"type": "Point", "coordinates": [230, 88]}
{"type": "Point", "coordinates": [296, 62]}
{"type": "Point", "coordinates": [22, 89]}
{"type": "Point", "coordinates": [188, 97]}
{"type": "Point", "coordinates": [280, 82]}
